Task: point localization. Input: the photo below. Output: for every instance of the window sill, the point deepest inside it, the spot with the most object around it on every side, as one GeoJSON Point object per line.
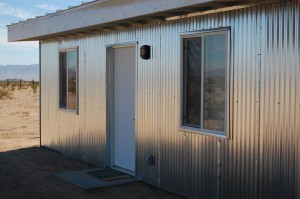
{"type": "Point", "coordinates": [203, 132]}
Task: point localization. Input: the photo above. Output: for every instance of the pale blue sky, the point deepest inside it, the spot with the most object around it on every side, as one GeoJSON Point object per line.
{"type": "Point", "coordinates": [12, 11]}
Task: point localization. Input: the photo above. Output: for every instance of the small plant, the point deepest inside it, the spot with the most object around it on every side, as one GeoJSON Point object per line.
{"type": "Point", "coordinates": [22, 86]}
{"type": "Point", "coordinates": [3, 84]}
{"type": "Point", "coordinates": [3, 93]}
{"type": "Point", "coordinates": [12, 87]}
{"type": "Point", "coordinates": [34, 87]}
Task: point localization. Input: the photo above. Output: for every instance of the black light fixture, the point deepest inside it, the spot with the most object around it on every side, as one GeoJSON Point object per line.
{"type": "Point", "coordinates": [145, 52]}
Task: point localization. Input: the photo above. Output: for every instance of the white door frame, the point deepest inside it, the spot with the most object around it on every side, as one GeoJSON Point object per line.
{"type": "Point", "coordinates": [110, 103]}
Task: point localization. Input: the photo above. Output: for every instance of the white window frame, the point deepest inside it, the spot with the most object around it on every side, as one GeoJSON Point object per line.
{"type": "Point", "coordinates": [76, 49]}
{"type": "Point", "coordinates": [201, 130]}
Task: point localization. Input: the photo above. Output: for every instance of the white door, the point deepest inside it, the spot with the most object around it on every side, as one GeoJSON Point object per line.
{"type": "Point", "coordinates": [124, 108]}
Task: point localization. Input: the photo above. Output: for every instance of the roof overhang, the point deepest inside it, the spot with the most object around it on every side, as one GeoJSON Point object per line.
{"type": "Point", "coordinates": [105, 15]}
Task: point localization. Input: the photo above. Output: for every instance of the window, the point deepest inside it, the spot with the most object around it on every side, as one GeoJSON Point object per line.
{"type": "Point", "coordinates": [68, 79]}
{"type": "Point", "coordinates": [204, 82]}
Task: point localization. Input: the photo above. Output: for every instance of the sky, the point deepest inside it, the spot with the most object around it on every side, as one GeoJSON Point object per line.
{"type": "Point", "coordinates": [13, 11]}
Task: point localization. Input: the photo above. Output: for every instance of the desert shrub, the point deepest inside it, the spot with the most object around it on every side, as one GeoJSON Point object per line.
{"type": "Point", "coordinates": [22, 86]}
{"type": "Point", "coordinates": [3, 84]}
{"type": "Point", "coordinates": [12, 86]}
{"type": "Point", "coordinates": [3, 93]}
{"type": "Point", "coordinates": [34, 87]}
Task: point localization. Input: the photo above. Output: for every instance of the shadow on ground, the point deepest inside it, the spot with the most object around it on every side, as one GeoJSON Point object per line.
{"type": "Point", "coordinates": [29, 173]}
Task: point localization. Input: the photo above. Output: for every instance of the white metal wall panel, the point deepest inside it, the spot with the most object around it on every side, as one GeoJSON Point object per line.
{"type": "Point", "coordinates": [80, 136]}
{"type": "Point", "coordinates": [279, 125]}
{"type": "Point", "coordinates": [91, 102]}
{"type": "Point", "coordinates": [49, 102]}
{"type": "Point", "coordinates": [148, 104]}
{"type": "Point", "coordinates": [233, 168]}
{"type": "Point", "coordinates": [239, 154]}
{"type": "Point", "coordinates": [260, 160]}
{"type": "Point", "coordinates": [206, 164]}
{"type": "Point", "coordinates": [186, 158]}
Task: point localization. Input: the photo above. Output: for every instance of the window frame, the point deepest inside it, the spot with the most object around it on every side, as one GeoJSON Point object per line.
{"type": "Point", "coordinates": [197, 34]}
{"type": "Point", "coordinates": [62, 50]}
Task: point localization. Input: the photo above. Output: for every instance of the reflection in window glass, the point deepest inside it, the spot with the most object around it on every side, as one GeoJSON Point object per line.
{"type": "Point", "coordinates": [72, 71]}
{"type": "Point", "coordinates": [68, 79]}
{"type": "Point", "coordinates": [192, 82]}
{"type": "Point", "coordinates": [63, 79]}
{"type": "Point", "coordinates": [214, 82]}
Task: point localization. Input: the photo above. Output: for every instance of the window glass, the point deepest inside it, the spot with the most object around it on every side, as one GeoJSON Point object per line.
{"type": "Point", "coordinates": [72, 80]}
{"type": "Point", "coordinates": [63, 79]}
{"type": "Point", "coordinates": [68, 79]}
{"type": "Point", "coordinates": [192, 83]}
{"type": "Point", "coordinates": [214, 82]}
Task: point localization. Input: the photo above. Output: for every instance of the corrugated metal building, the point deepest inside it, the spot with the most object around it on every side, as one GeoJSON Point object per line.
{"type": "Point", "coordinates": [237, 137]}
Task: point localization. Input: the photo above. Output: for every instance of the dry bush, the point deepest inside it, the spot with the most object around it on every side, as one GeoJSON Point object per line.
{"type": "Point", "coordinates": [34, 87]}
{"type": "Point", "coordinates": [4, 94]}
{"type": "Point", "coordinates": [12, 87]}
{"type": "Point", "coordinates": [22, 86]}
{"type": "Point", "coordinates": [3, 84]}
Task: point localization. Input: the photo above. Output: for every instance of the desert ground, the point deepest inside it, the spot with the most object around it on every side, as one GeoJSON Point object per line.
{"type": "Point", "coordinates": [27, 170]}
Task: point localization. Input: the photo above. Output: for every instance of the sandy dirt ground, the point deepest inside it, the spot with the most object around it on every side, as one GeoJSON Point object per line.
{"type": "Point", "coordinates": [27, 171]}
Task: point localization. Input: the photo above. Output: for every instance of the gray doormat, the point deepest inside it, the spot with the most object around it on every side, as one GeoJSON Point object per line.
{"type": "Point", "coordinates": [109, 175]}
{"type": "Point", "coordinates": [96, 178]}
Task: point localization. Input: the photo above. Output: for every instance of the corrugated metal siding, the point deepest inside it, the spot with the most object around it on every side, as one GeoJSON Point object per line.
{"type": "Point", "coordinates": [250, 162]}
{"type": "Point", "coordinates": [197, 160]}
{"type": "Point", "coordinates": [148, 102]}
{"type": "Point", "coordinates": [279, 101]}
{"type": "Point", "coordinates": [239, 154]}
{"type": "Point", "coordinates": [49, 70]}
{"type": "Point", "coordinates": [261, 158]}
{"type": "Point", "coordinates": [185, 158]}
{"type": "Point", "coordinates": [80, 136]}
{"type": "Point", "coordinates": [171, 141]}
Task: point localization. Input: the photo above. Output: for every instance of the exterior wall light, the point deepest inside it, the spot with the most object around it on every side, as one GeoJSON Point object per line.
{"type": "Point", "coordinates": [145, 52]}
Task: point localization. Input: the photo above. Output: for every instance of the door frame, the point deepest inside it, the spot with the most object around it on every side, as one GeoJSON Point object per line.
{"type": "Point", "coordinates": [110, 104]}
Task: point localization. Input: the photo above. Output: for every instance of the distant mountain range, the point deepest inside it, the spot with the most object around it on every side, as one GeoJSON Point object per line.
{"type": "Point", "coordinates": [24, 72]}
